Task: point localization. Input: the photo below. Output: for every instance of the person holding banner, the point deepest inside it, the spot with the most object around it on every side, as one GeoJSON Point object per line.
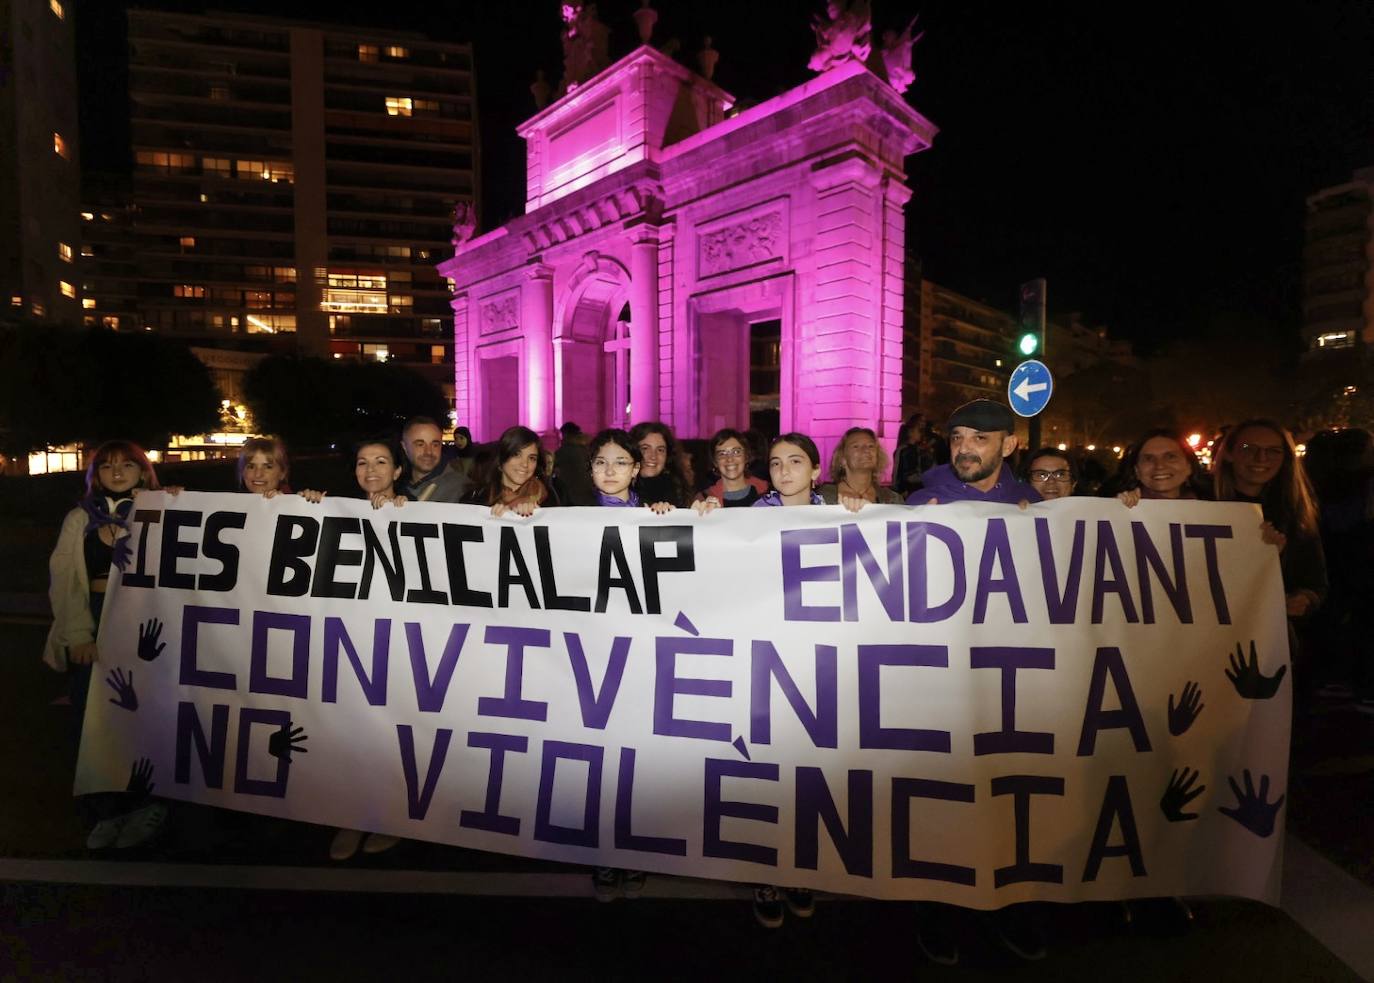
{"type": "Point", "coordinates": [1258, 462]}
{"type": "Point", "coordinates": [263, 467]}
{"type": "Point", "coordinates": [1158, 466]}
{"type": "Point", "coordinates": [376, 468]}
{"type": "Point", "coordinates": [981, 437]}
{"type": "Point", "coordinates": [514, 483]}
{"type": "Point", "coordinates": [855, 468]}
{"type": "Point", "coordinates": [1051, 473]}
{"type": "Point", "coordinates": [95, 538]}
{"type": "Point", "coordinates": [660, 476]}
{"type": "Point", "coordinates": [730, 458]}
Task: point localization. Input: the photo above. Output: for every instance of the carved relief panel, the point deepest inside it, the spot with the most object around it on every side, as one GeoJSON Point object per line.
{"type": "Point", "coordinates": [743, 239]}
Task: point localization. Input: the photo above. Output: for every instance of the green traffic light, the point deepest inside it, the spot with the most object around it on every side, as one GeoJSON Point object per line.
{"type": "Point", "coordinates": [1029, 343]}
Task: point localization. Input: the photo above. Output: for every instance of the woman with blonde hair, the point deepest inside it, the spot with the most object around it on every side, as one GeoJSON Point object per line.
{"type": "Point", "coordinates": [856, 467]}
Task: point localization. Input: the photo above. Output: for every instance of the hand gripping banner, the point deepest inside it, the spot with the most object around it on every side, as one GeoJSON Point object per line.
{"type": "Point", "coordinates": [963, 703]}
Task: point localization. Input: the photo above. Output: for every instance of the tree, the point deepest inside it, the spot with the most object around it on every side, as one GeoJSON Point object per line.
{"type": "Point", "coordinates": [59, 386]}
{"type": "Point", "coordinates": [315, 403]}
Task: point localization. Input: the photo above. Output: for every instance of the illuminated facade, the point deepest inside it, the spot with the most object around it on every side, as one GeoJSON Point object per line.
{"type": "Point", "coordinates": [1338, 266]}
{"type": "Point", "coordinates": [293, 186]}
{"type": "Point", "coordinates": [683, 262]}
{"type": "Point", "coordinates": [39, 166]}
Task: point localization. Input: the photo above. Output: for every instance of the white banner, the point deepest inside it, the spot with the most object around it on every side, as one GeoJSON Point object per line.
{"type": "Point", "coordinates": [964, 703]}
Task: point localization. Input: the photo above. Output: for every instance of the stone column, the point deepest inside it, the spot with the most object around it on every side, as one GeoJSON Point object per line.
{"type": "Point", "coordinates": [536, 324]}
{"type": "Point", "coordinates": [644, 327]}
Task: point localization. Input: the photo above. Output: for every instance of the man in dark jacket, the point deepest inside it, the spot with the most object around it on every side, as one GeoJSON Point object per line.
{"type": "Point", "coordinates": [981, 437]}
{"type": "Point", "coordinates": [430, 479]}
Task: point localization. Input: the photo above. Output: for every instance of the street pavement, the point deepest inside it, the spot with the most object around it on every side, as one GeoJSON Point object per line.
{"type": "Point", "coordinates": [230, 896]}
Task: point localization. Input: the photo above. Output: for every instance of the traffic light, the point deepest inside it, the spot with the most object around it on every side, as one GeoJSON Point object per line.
{"type": "Point", "coordinates": [1030, 336]}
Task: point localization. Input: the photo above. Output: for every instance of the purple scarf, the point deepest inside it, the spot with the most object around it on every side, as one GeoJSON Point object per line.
{"type": "Point", "coordinates": [774, 498]}
{"type": "Point", "coordinates": [103, 510]}
{"type": "Point", "coordinates": [610, 500]}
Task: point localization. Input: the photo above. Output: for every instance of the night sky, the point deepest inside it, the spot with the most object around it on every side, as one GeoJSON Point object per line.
{"type": "Point", "coordinates": [1150, 161]}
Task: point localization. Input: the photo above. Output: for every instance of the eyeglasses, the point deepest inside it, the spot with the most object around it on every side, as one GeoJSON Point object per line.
{"type": "Point", "coordinates": [730, 452]}
{"type": "Point", "coordinates": [1259, 452]}
{"type": "Point", "coordinates": [619, 464]}
{"type": "Point", "coordinates": [1040, 477]}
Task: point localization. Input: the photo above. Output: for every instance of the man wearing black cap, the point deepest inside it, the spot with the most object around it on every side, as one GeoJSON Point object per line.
{"type": "Point", "coordinates": [981, 437]}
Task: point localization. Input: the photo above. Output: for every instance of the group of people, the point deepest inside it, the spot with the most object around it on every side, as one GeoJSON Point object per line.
{"type": "Point", "coordinates": [1255, 461]}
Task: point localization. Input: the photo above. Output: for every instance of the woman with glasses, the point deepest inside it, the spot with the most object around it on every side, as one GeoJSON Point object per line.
{"type": "Point", "coordinates": [1258, 462]}
{"type": "Point", "coordinates": [855, 469]}
{"type": "Point", "coordinates": [736, 487]}
{"type": "Point", "coordinates": [660, 475]}
{"type": "Point", "coordinates": [1051, 473]}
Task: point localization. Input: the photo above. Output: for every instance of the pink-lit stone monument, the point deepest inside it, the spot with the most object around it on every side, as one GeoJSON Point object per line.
{"type": "Point", "coordinates": [659, 227]}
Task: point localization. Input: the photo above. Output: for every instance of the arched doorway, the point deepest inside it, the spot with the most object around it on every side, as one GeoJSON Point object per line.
{"type": "Point", "coordinates": [592, 346]}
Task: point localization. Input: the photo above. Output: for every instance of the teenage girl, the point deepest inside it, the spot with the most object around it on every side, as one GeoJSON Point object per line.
{"type": "Point", "coordinates": [93, 539]}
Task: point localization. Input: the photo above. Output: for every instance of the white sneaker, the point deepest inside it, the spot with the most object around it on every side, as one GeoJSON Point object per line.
{"type": "Point", "coordinates": [379, 842]}
{"type": "Point", "coordinates": [345, 844]}
{"type": "Point", "coordinates": [141, 825]}
{"type": "Point", "coordinates": [105, 833]}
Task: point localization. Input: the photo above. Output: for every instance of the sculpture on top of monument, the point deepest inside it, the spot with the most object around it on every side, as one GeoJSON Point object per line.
{"type": "Point", "coordinates": [896, 56]}
{"type": "Point", "coordinates": [464, 223]}
{"type": "Point", "coordinates": [843, 33]}
{"type": "Point", "coordinates": [585, 40]}
{"type": "Point", "coordinates": [645, 19]}
{"type": "Point", "coordinates": [707, 58]}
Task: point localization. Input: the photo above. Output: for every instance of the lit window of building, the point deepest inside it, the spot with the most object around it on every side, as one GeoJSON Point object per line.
{"type": "Point", "coordinates": [65, 252]}
{"type": "Point", "coordinates": [188, 242]}
{"type": "Point", "coordinates": [220, 93]}
{"type": "Point", "coordinates": [426, 106]}
{"type": "Point", "coordinates": [355, 293]}
{"type": "Point", "coordinates": [87, 251]}
{"type": "Point", "coordinates": [399, 106]}
{"type": "Point", "coordinates": [88, 216]}
{"type": "Point", "coordinates": [160, 161]}
{"type": "Point", "coordinates": [88, 303]}
{"type": "Point", "coordinates": [55, 459]}
{"type": "Point", "coordinates": [436, 354]}
{"type": "Point", "coordinates": [251, 169]}
{"type": "Point", "coordinates": [194, 291]}
{"type": "Point", "coordinates": [111, 322]}
{"type": "Point", "coordinates": [1336, 339]}
{"type": "Point", "coordinates": [380, 352]}
{"type": "Point", "coordinates": [367, 52]}
{"type": "Point", "coordinates": [58, 10]}
{"type": "Point", "coordinates": [279, 171]}
{"type": "Point", "coordinates": [401, 304]}
{"type": "Point", "coordinates": [38, 309]}
{"type": "Point", "coordinates": [67, 289]}
{"type": "Point", "coordinates": [217, 167]}
{"type": "Point", "coordinates": [16, 300]}
{"type": "Point", "coordinates": [396, 51]}
{"type": "Point", "coordinates": [59, 146]}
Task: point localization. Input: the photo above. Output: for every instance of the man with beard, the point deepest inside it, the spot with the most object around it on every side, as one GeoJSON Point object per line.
{"type": "Point", "coordinates": [429, 480]}
{"type": "Point", "coordinates": [981, 438]}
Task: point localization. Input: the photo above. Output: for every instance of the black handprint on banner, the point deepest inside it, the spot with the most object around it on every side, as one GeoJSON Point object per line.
{"type": "Point", "coordinates": [1179, 793]}
{"type": "Point", "coordinates": [141, 778]}
{"type": "Point", "coordinates": [149, 648]}
{"type": "Point", "coordinates": [1251, 810]}
{"type": "Point", "coordinates": [124, 697]}
{"type": "Point", "coordinates": [1247, 678]}
{"type": "Point", "coordinates": [1190, 704]}
{"type": "Point", "coordinates": [286, 739]}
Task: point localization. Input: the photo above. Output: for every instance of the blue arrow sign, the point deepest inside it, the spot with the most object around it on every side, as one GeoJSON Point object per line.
{"type": "Point", "coordinates": [1029, 388]}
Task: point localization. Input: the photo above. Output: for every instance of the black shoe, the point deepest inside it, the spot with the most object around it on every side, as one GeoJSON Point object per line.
{"type": "Point", "coordinates": [1018, 931]}
{"type": "Point", "coordinates": [937, 944]}
{"type": "Point", "coordinates": [799, 901]}
{"type": "Point", "coordinates": [768, 906]}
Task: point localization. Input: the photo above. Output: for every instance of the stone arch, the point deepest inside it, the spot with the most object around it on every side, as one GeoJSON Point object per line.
{"type": "Point", "coordinates": [591, 345]}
